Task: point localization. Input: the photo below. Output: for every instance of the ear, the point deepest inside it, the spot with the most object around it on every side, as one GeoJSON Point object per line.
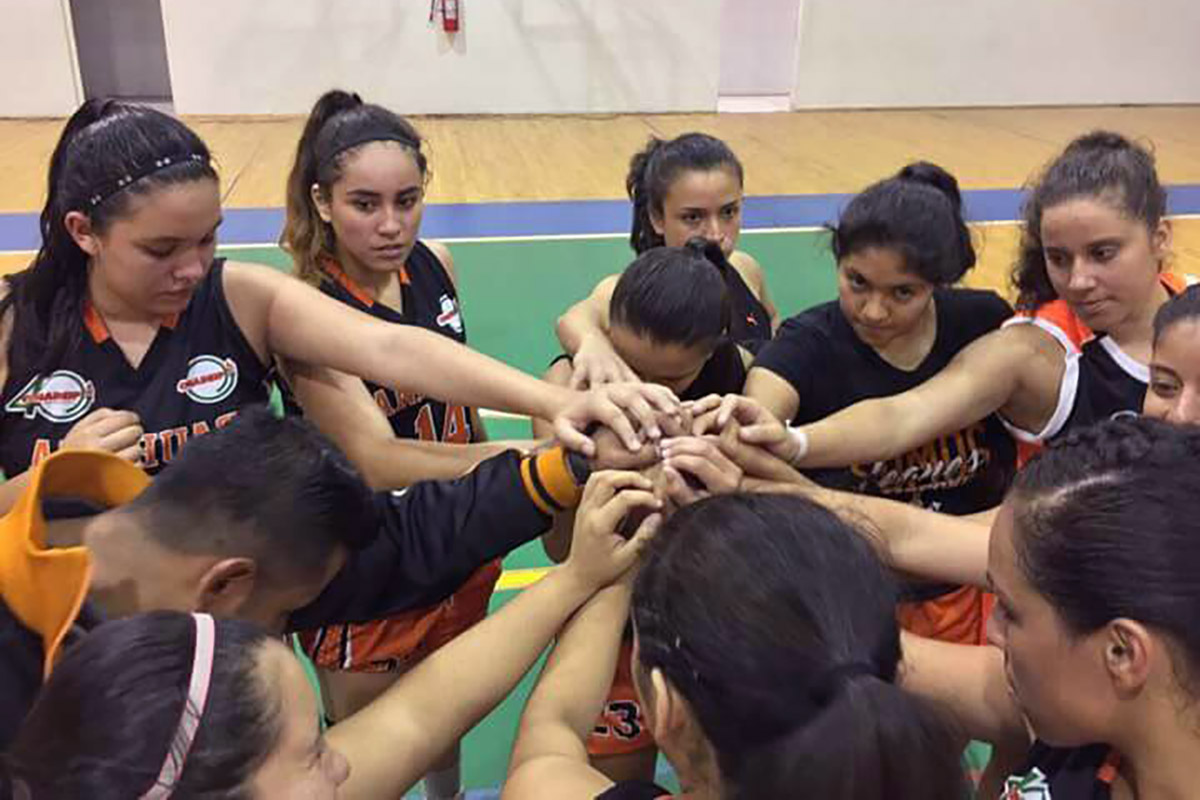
{"type": "Point", "coordinates": [227, 586]}
{"type": "Point", "coordinates": [670, 714]}
{"type": "Point", "coordinates": [321, 202]}
{"type": "Point", "coordinates": [1160, 241]}
{"type": "Point", "coordinates": [1129, 650]}
{"type": "Point", "coordinates": [79, 226]}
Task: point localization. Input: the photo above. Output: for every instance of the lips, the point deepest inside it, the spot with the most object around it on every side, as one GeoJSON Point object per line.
{"type": "Point", "coordinates": [392, 251]}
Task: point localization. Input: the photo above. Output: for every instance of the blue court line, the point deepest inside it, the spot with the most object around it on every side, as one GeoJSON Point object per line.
{"type": "Point", "coordinates": [582, 217]}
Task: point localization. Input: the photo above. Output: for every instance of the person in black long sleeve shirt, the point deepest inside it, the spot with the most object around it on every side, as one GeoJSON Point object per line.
{"type": "Point", "coordinates": [265, 521]}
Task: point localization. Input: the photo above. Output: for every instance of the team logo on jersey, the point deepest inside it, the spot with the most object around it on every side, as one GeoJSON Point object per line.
{"type": "Point", "coordinates": [62, 396]}
{"type": "Point", "coordinates": [1033, 786]}
{"type": "Point", "coordinates": [450, 317]}
{"type": "Point", "coordinates": [209, 379]}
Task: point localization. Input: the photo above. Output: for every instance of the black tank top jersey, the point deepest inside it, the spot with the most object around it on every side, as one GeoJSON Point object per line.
{"type": "Point", "coordinates": [830, 368]}
{"type": "Point", "coordinates": [1082, 773]}
{"type": "Point", "coordinates": [1111, 384]}
{"type": "Point", "coordinates": [723, 373]}
{"type": "Point", "coordinates": [429, 301]}
{"type": "Point", "coordinates": [749, 322]}
{"type": "Point", "coordinates": [198, 372]}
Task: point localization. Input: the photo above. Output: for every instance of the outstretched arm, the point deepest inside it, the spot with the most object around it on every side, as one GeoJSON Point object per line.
{"type": "Point", "coordinates": [390, 744]}
{"type": "Point", "coordinates": [583, 333]}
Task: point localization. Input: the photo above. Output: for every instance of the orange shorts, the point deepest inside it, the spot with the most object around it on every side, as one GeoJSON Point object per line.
{"type": "Point", "coordinates": [956, 617]}
{"type": "Point", "coordinates": [399, 642]}
{"type": "Point", "coordinates": [621, 727]}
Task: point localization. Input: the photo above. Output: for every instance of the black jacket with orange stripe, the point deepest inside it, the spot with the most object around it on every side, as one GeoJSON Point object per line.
{"type": "Point", "coordinates": [432, 536]}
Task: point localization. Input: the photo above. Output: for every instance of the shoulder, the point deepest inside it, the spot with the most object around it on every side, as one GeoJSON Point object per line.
{"type": "Point", "coordinates": [819, 321]}
{"type": "Point", "coordinates": [973, 310]}
{"type": "Point", "coordinates": [749, 269]}
{"type": "Point", "coordinates": [442, 253]}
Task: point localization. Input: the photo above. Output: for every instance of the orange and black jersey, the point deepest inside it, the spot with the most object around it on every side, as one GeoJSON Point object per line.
{"type": "Point", "coordinates": [198, 372]}
{"type": "Point", "coordinates": [429, 301]}
{"type": "Point", "coordinates": [431, 538]}
{"type": "Point", "coordinates": [1081, 773]}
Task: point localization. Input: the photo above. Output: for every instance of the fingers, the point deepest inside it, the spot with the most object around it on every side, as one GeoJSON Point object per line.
{"type": "Point", "coordinates": [766, 434]}
{"type": "Point", "coordinates": [131, 454]}
{"type": "Point", "coordinates": [630, 551]}
{"type": "Point", "coordinates": [677, 489]}
{"type": "Point", "coordinates": [118, 440]}
{"type": "Point", "coordinates": [106, 420]}
{"type": "Point", "coordinates": [601, 486]}
{"type": "Point", "coordinates": [637, 406]}
{"type": "Point", "coordinates": [662, 398]}
{"type": "Point", "coordinates": [573, 439]}
{"type": "Point", "coordinates": [705, 461]}
{"type": "Point", "coordinates": [607, 517]}
{"type": "Point", "coordinates": [705, 404]}
{"type": "Point", "coordinates": [579, 380]}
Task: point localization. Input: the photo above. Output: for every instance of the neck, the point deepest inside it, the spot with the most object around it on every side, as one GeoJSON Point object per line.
{"type": "Point", "coordinates": [118, 554]}
{"type": "Point", "coordinates": [1159, 759]}
{"type": "Point", "coordinates": [110, 306]}
{"type": "Point", "coordinates": [380, 285]}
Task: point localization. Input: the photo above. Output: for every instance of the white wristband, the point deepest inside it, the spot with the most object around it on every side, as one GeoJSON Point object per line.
{"type": "Point", "coordinates": [801, 440]}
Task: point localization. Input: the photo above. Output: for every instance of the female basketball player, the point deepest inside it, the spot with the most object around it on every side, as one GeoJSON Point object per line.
{"type": "Point", "coordinates": [777, 680]}
{"type": "Point", "coordinates": [355, 202]}
{"type": "Point", "coordinates": [669, 320]}
{"type": "Point", "coordinates": [171, 704]}
{"type": "Point", "coordinates": [900, 247]}
{"type": "Point", "coordinates": [1094, 250]}
{"type": "Point", "coordinates": [682, 188]}
{"type": "Point", "coordinates": [126, 308]}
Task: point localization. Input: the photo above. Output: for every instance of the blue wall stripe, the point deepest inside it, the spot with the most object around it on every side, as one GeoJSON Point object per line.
{"type": "Point", "coordinates": [574, 217]}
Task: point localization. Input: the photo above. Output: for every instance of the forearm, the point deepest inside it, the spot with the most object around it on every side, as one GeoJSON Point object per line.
{"type": "Point", "coordinates": [390, 744]}
{"type": "Point", "coordinates": [577, 675]}
{"type": "Point", "coordinates": [588, 316]}
{"type": "Point", "coordinates": [396, 463]}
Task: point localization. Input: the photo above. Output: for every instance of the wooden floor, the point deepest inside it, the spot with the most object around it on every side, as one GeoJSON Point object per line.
{"type": "Point", "coordinates": [479, 159]}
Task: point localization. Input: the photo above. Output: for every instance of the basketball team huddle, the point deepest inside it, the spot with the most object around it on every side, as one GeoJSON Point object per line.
{"type": "Point", "coordinates": [811, 556]}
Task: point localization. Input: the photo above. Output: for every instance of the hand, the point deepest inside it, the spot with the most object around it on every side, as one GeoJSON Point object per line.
{"type": "Point", "coordinates": [702, 459]}
{"type": "Point", "coordinates": [611, 453]}
{"type": "Point", "coordinates": [756, 462]}
{"type": "Point", "coordinates": [758, 426]}
{"type": "Point", "coordinates": [599, 554]}
{"type": "Point", "coordinates": [118, 432]}
{"type": "Point", "coordinates": [617, 406]}
{"type": "Point", "coordinates": [597, 363]}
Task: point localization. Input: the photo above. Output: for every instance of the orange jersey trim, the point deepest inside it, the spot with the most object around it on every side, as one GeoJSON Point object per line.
{"type": "Point", "coordinates": [334, 270]}
{"type": "Point", "coordinates": [98, 328]}
{"type": "Point", "coordinates": [45, 587]}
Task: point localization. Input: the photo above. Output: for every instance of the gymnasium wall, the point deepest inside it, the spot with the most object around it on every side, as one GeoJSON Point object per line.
{"type": "Point", "coordinates": [512, 56]}
{"type": "Point", "coordinates": [883, 53]}
{"type": "Point", "coordinates": [37, 63]}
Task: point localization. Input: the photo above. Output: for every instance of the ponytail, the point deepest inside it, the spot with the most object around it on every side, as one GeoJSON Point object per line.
{"type": "Point", "coordinates": [655, 167]}
{"type": "Point", "coordinates": [873, 741]}
{"type": "Point", "coordinates": [108, 151]}
{"type": "Point", "coordinates": [338, 124]}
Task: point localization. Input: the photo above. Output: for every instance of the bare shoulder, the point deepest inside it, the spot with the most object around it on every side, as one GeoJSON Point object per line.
{"type": "Point", "coordinates": [442, 253]}
{"type": "Point", "coordinates": [750, 270]}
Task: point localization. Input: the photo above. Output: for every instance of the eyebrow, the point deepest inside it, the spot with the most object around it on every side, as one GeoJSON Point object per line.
{"type": "Point", "coordinates": [165, 240]}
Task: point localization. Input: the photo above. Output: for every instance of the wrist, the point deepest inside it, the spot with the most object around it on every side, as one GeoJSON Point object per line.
{"type": "Point", "coordinates": [797, 446]}
{"type": "Point", "coordinates": [550, 481]}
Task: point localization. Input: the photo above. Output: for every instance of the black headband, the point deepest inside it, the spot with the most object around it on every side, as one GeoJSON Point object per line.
{"type": "Point", "coordinates": [375, 132]}
{"type": "Point", "coordinates": [106, 190]}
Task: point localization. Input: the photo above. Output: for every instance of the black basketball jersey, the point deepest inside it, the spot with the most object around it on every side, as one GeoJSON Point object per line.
{"type": "Point", "coordinates": [429, 301]}
{"type": "Point", "coordinates": [198, 372]}
{"type": "Point", "coordinates": [749, 322]}
{"type": "Point", "coordinates": [830, 368]}
{"type": "Point", "coordinates": [1082, 773]}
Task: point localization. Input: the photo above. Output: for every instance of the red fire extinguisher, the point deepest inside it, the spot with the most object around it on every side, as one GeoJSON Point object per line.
{"type": "Point", "coordinates": [448, 11]}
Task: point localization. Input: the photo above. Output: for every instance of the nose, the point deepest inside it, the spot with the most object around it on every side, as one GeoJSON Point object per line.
{"type": "Point", "coordinates": [392, 222]}
{"type": "Point", "coordinates": [191, 269]}
{"type": "Point", "coordinates": [1081, 279]}
{"type": "Point", "coordinates": [874, 310]}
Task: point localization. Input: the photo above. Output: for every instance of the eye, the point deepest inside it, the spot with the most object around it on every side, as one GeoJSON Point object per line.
{"type": "Point", "coordinates": [159, 253]}
{"type": "Point", "coordinates": [856, 281]}
{"type": "Point", "coordinates": [360, 204]}
{"type": "Point", "coordinates": [1165, 389]}
{"type": "Point", "coordinates": [730, 212]}
{"type": "Point", "coordinates": [903, 293]}
{"type": "Point", "coordinates": [207, 240]}
{"type": "Point", "coordinates": [691, 217]}
{"type": "Point", "coordinates": [409, 202]}
{"type": "Point", "coordinates": [1057, 259]}
{"type": "Point", "coordinates": [1105, 252]}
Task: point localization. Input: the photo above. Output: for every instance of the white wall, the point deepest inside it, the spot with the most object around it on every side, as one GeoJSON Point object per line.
{"type": "Point", "coordinates": [758, 46]}
{"type": "Point", "coordinates": [857, 53]}
{"type": "Point", "coordinates": [37, 59]}
{"type": "Point", "coordinates": [512, 56]}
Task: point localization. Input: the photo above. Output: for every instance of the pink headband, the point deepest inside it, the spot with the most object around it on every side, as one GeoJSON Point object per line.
{"type": "Point", "coordinates": [193, 710]}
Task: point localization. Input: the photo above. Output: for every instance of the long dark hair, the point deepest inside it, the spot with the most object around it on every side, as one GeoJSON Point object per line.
{"type": "Point", "coordinates": [1107, 525]}
{"type": "Point", "coordinates": [103, 144]}
{"type": "Point", "coordinates": [918, 211]}
{"type": "Point", "coordinates": [1100, 164]}
{"type": "Point", "coordinates": [1183, 307]}
{"type": "Point", "coordinates": [103, 722]}
{"type": "Point", "coordinates": [789, 659]}
{"type": "Point", "coordinates": [338, 124]}
{"type": "Point", "coordinates": [656, 166]}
